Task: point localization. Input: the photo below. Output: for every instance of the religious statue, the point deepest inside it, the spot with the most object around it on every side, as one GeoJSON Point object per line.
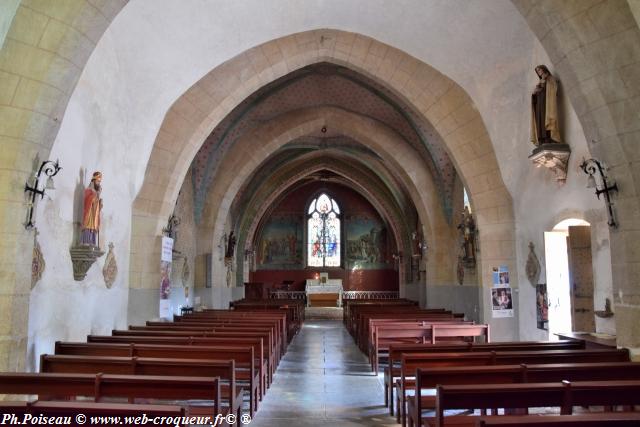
{"type": "Point", "coordinates": [91, 212]}
{"type": "Point", "coordinates": [468, 229]}
{"type": "Point", "coordinates": [231, 244]}
{"type": "Point", "coordinates": [544, 109]}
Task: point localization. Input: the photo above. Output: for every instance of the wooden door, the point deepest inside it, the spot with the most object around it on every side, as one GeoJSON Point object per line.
{"type": "Point", "coordinates": [581, 278]}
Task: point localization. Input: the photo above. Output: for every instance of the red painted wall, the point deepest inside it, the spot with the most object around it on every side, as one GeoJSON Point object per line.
{"type": "Point", "coordinates": [351, 204]}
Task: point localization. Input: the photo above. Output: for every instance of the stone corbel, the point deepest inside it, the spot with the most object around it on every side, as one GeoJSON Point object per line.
{"type": "Point", "coordinates": [553, 156]}
{"type": "Point", "coordinates": [83, 257]}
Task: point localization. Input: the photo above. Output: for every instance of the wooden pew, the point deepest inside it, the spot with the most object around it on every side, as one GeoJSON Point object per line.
{"type": "Point", "coordinates": [60, 413]}
{"type": "Point", "coordinates": [512, 374]}
{"type": "Point", "coordinates": [266, 336]}
{"type": "Point", "coordinates": [131, 387]}
{"type": "Point", "coordinates": [243, 357]}
{"type": "Point", "coordinates": [350, 308]}
{"type": "Point", "coordinates": [427, 332]}
{"type": "Point", "coordinates": [209, 328]}
{"type": "Point", "coordinates": [410, 363]}
{"type": "Point", "coordinates": [609, 419]}
{"type": "Point", "coordinates": [243, 318]}
{"type": "Point", "coordinates": [392, 371]}
{"type": "Point", "coordinates": [214, 326]}
{"type": "Point", "coordinates": [224, 369]}
{"type": "Point", "coordinates": [293, 308]}
{"type": "Point", "coordinates": [256, 343]}
{"type": "Point", "coordinates": [564, 395]}
{"type": "Point", "coordinates": [365, 320]}
{"type": "Point", "coordinates": [375, 321]}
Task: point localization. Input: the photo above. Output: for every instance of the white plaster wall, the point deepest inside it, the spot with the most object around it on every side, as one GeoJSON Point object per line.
{"type": "Point", "coordinates": [61, 308]}
{"type": "Point", "coordinates": [540, 203]}
{"type": "Point", "coordinates": [154, 50]}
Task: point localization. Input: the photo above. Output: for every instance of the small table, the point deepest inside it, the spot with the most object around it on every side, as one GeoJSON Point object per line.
{"type": "Point", "coordinates": [185, 310]}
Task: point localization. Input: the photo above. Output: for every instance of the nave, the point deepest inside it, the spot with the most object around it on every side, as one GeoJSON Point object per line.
{"type": "Point", "coordinates": [324, 380]}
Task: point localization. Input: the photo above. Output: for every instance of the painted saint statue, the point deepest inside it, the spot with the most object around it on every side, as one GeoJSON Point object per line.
{"type": "Point", "coordinates": [544, 109]}
{"type": "Point", "coordinates": [91, 212]}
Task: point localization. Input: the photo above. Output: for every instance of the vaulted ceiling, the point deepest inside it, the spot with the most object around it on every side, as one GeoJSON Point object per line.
{"type": "Point", "coordinates": [326, 152]}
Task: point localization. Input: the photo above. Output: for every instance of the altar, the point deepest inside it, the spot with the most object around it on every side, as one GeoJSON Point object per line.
{"type": "Point", "coordinates": [324, 294]}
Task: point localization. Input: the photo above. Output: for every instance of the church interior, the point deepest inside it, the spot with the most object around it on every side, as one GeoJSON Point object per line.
{"type": "Point", "coordinates": [323, 195]}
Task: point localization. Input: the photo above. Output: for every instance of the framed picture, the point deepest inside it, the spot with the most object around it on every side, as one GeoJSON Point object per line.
{"type": "Point", "coordinates": [542, 306]}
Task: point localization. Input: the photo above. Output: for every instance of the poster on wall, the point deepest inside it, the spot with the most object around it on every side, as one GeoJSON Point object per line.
{"type": "Point", "coordinates": [166, 257]}
{"type": "Point", "coordinates": [542, 306]}
{"type": "Point", "coordinates": [167, 249]}
{"type": "Point", "coordinates": [502, 302]}
{"type": "Point", "coordinates": [501, 295]}
{"type": "Point", "coordinates": [501, 276]}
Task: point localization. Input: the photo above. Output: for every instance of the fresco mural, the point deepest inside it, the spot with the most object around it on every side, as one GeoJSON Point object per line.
{"type": "Point", "coordinates": [366, 244]}
{"type": "Point", "coordinates": [280, 244]}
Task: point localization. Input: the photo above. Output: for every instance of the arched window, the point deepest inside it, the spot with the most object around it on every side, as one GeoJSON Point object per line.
{"type": "Point", "coordinates": [323, 237]}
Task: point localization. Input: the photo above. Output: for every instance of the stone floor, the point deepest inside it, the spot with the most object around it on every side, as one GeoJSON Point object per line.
{"type": "Point", "coordinates": [323, 313]}
{"type": "Point", "coordinates": [324, 380]}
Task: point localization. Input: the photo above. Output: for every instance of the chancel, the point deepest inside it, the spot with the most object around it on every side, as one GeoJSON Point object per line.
{"type": "Point", "coordinates": [373, 199]}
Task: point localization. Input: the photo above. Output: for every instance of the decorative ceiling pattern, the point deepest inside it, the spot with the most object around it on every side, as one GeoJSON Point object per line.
{"type": "Point", "coordinates": [322, 85]}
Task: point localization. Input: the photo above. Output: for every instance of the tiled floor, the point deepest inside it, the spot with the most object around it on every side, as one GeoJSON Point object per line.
{"type": "Point", "coordinates": [323, 380]}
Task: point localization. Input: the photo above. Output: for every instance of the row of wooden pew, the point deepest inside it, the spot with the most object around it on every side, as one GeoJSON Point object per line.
{"type": "Point", "coordinates": [204, 363]}
{"type": "Point", "coordinates": [427, 377]}
{"type": "Point", "coordinates": [375, 325]}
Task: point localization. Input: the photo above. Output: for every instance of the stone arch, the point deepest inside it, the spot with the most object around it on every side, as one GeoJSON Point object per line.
{"type": "Point", "coordinates": [440, 100]}
{"type": "Point", "coordinates": [243, 158]}
{"type": "Point", "coordinates": [43, 54]}
{"type": "Point", "coordinates": [379, 205]}
{"type": "Point", "coordinates": [388, 213]}
{"type": "Point", "coordinates": [598, 65]}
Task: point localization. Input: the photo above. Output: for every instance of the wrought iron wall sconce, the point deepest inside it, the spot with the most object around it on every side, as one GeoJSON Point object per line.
{"type": "Point", "coordinates": [590, 167]}
{"type": "Point", "coordinates": [172, 225]}
{"type": "Point", "coordinates": [49, 169]}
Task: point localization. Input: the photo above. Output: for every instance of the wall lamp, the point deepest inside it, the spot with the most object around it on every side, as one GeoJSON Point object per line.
{"type": "Point", "coordinates": [172, 226]}
{"type": "Point", "coordinates": [590, 167]}
{"type": "Point", "coordinates": [47, 168]}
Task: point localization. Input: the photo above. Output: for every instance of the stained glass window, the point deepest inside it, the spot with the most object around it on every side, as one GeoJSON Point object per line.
{"type": "Point", "coordinates": [323, 232]}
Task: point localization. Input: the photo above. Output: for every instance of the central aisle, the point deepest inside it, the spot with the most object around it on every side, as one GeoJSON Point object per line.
{"type": "Point", "coordinates": [323, 380]}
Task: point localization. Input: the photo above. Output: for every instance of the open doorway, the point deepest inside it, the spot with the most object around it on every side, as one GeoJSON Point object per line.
{"type": "Point", "coordinates": [569, 277]}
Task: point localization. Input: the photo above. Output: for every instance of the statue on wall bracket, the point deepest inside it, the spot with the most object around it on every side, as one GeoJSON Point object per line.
{"type": "Point", "coordinates": [549, 150]}
{"type": "Point", "coordinates": [467, 229]}
{"type": "Point", "coordinates": [85, 253]}
{"type": "Point", "coordinates": [228, 256]}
